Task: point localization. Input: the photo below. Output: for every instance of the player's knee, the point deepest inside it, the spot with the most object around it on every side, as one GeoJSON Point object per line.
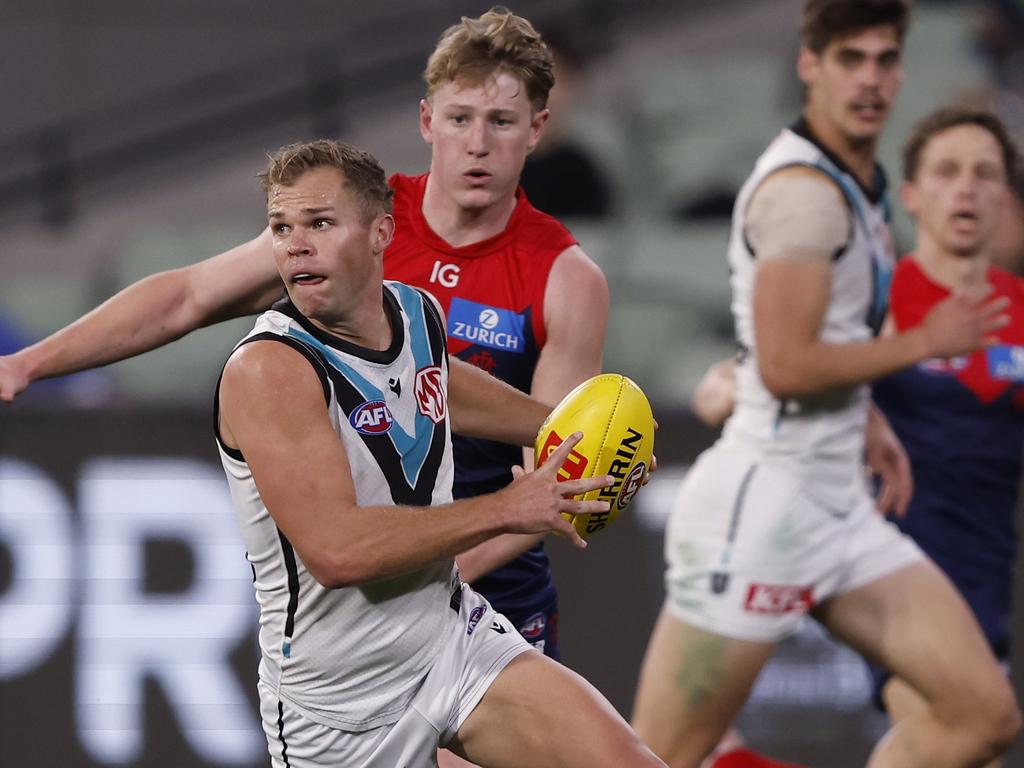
{"type": "Point", "coordinates": [991, 720]}
{"type": "Point", "coordinates": [1002, 721]}
{"type": "Point", "coordinates": [630, 750]}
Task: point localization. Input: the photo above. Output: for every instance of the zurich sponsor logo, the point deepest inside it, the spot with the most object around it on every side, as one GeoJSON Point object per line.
{"type": "Point", "coordinates": [1006, 362]}
{"type": "Point", "coordinates": [487, 326]}
{"type": "Point", "coordinates": [474, 618]}
{"type": "Point", "coordinates": [534, 626]}
{"type": "Point", "coordinates": [371, 418]}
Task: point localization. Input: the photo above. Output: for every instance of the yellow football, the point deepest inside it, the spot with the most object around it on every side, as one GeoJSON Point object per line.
{"type": "Point", "coordinates": [615, 418]}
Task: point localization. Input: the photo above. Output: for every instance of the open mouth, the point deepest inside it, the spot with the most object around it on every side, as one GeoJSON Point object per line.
{"type": "Point", "coordinates": [477, 174]}
{"type": "Point", "coordinates": [965, 218]}
{"type": "Point", "coordinates": [869, 110]}
{"type": "Point", "coordinates": [306, 278]}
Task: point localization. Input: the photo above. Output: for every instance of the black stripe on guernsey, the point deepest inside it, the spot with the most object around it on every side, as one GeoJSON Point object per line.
{"type": "Point", "coordinates": [314, 360]}
{"type": "Point", "coordinates": [293, 590]}
{"type": "Point", "coordinates": [435, 331]}
{"type": "Point", "coordinates": [387, 457]}
{"type": "Point", "coordinates": [280, 733]}
{"type": "Point", "coordinates": [879, 181]}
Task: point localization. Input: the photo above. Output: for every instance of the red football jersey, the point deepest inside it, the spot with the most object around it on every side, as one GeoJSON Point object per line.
{"type": "Point", "coordinates": [492, 291]}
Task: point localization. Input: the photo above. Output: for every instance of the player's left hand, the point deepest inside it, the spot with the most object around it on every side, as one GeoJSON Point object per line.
{"type": "Point", "coordinates": [887, 461]}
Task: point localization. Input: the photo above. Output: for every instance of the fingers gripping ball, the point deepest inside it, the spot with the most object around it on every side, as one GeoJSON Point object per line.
{"type": "Point", "coordinates": [615, 418]}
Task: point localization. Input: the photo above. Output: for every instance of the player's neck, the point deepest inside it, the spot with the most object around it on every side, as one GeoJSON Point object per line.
{"type": "Point", "coordinates": [366, 325]}
{"type": "Point", "coordinates": [459, 226]}
{"type": "Point", "coordinates": [858, 155]}
{"type": "Point", "coordinates": [956, 272]}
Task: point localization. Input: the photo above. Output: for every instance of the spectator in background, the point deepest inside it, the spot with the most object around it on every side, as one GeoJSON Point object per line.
{"type": "Point", "coordinates": [560, 177]}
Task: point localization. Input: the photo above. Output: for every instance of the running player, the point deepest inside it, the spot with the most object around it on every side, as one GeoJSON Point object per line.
{"type": "Point", "coordinates": [524, 301]}
{"type": "Point", "coordinates": [961, 419]}
{"type": "Point", "coordinates": [373, 651]}
{"type": "Point", "coordinates": [775, 521]}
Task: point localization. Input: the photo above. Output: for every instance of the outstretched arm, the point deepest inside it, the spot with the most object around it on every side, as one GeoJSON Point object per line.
{"type": "Point", "coordinates": [575, 316]}
{"type": "Point", "coordinates": [340, 542]}
{"type": "Point", "coordinates": [150, 313]}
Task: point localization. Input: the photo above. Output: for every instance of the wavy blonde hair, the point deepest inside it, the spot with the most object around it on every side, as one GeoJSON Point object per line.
{"type": "Point", "coordinates": [474, 50]}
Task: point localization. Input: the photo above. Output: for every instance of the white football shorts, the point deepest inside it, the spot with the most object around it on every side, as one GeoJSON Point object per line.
{"type": "Point", "coordinates": [753, 543]}
{"type": "Point", "coordinates": [482, 642]}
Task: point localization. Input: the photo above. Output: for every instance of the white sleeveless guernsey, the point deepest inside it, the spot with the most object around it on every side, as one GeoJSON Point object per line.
{"type": "Point", "coordinates": [352, 658]}
{"type": "Point", "coordinates": [828, 426]}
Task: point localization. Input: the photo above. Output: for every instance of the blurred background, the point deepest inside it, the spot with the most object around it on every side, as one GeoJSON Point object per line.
{"type": "Point", "coordinates": [131, 136]}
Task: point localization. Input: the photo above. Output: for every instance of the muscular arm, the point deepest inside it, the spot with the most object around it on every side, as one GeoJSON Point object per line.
{"type": "Point", "coordinates": [576, 315]}
{"type": "Point", "coordinates": [486, 407]}
{"type": "Point", "coordinates": [150, 313]}
{"type": "Point", "coordinates": [792, 290]}
{"type": "Point", "coordinates": [340, 542]}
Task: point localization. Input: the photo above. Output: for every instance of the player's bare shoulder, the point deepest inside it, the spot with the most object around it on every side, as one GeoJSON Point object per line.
{"type": "Point", "coordinates": [574, 273]}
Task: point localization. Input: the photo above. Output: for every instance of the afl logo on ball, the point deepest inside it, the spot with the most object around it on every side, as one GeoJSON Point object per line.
{"type": "Point", "coordinates": [430, 394]}
{"type": "Point", "coordinates": [631, 485]}
{"type": "Point", "coordinates": [372, 418]}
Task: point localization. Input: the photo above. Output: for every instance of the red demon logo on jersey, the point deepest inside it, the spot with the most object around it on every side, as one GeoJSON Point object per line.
{"type": "Point", "coordinates": [430, 395]}
{"type": "Point", "coordinates": [575, 463]}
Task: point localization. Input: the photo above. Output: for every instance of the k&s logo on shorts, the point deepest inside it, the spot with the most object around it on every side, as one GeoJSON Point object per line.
{"type": "Point", "coordinates": [487, 326]}
{"type": "Point", "coordinates": [371, 418]}
{"type": "Point", "coordinates": [778, 599]}
{"type": "Point", "coordinates": [430, 394]}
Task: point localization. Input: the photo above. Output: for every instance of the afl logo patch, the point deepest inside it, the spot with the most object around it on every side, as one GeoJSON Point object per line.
{"type": "Point", "coordinates": [430, 394]}
{"type": "Point", "coordinates": [371, 418]}
{"type": "Point", "coordinates": [631, 485]}
{"type": "Point", "coordinates": [534, 626]}
{"type": "Point", "coordinates": [474, 618]}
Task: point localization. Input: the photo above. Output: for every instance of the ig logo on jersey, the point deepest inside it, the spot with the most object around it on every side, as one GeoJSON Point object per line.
{"type": "Point", "coordinates": [445, 274]}
{"type": "Point", "coordinates": [371, 418]}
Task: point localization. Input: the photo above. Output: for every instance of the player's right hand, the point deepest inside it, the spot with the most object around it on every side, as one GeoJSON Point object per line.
{"type": "Point", "coordinates": [13, 378]}
{"type": "Point", "coordinates": [962, 324]}
{"type": "Point", "coordinates": [536, 500]}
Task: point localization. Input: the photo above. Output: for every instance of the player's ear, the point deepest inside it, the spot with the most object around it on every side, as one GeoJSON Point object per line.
{"type": "Point", "coordinates": [383, 231]}
{"type": "Point", "coordinates": [537, 122]}
{"type": "Point", "coordinates": [806, 65]}
{"type": "Point", "coordinates": [909, 197]}
{"type": "Point", "coordinates": [426, 120]}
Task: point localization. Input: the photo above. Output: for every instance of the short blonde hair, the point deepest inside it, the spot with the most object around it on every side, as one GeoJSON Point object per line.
{"type": "Point", "coordinates": [363, 174]}
{"type": "Point", "coordinates": [498, 41]}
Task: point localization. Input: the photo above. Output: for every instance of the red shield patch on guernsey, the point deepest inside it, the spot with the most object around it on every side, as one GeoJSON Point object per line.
{"type": "Point", "coordinates": [430, 395]}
